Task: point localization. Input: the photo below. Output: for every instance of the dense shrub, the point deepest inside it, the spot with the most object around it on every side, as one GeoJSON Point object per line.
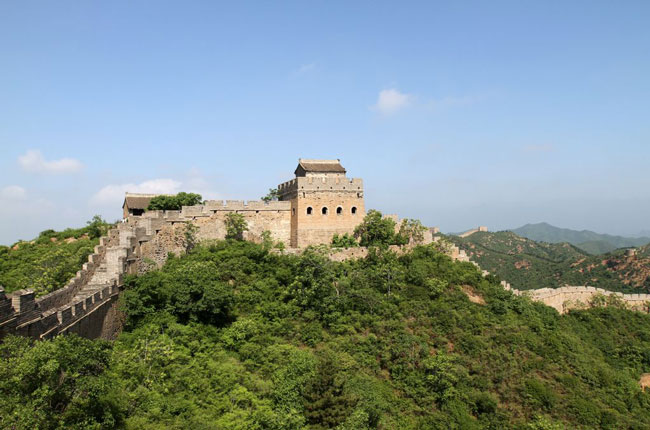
{"type": "Point", "coordinates": [235, 336]}
{"type": "Point", "coordinates": [164, 202]}
{"type": "Point", "coordinates": [50, 261]}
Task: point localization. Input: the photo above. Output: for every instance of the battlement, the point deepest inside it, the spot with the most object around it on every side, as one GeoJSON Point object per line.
{"type": "Point", "coordinates": [340, 184]}
{"type": "Point", "coordinates": [243, 205]}
{"type": "Point", "coordinates": [211, 207]}
{"type": "Point", "coordinates": [80, 305]}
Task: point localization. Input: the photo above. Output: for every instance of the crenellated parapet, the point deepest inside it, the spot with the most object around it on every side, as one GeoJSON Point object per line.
{"type": "Point", "coordinates": [82, 304]}
{"type": "Point", "coordinates": [290, 189]}
{"type": "Point", "coordinates": [211, 207]}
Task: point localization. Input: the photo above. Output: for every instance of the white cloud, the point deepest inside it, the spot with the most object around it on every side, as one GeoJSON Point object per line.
{"type": "Point", "coordinates": [12, 192]}
{"type": "Point", "coordinates": [391, 101]}
{"type": "Point", "coordinates": [194, 181]}
{"type": "Point", "coordinates": [114, 194]}
{"type": "Point", "coordinates": [33, 161]}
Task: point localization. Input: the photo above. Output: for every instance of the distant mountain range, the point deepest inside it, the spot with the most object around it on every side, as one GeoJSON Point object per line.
{"type": "Point", "coordinates": [589, 241]}
{"type": "Point", "coordinates": [528, 264]}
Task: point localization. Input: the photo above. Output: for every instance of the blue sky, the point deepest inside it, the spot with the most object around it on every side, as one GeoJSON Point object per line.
{"type": "Point", "coordinates": [457, 113]}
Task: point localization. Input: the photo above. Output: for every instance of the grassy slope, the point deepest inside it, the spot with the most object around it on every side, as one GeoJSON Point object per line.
{"type": "Point", "coordinates": [300, 342]}
{"type": "Point", "coordinates": [49, 261]}
{"type": "Point", "coordinates": [527, 264]}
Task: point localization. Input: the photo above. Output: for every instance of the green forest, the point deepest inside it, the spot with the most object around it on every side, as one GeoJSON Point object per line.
{"type": "Point", "coordinates": [236, 335]}
{"type": "Point", "coordinates": [527, 264]}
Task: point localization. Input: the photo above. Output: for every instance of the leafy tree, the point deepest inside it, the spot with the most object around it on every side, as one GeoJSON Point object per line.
{"type": "Point", "coordinates": [191, 293]}
{"type": "Point", "coordinates": [235, 336]}
{"type": "Point", "coordinates": [272, 195]}
{"type": "Point", "coordinates": [190, 236]}
{"type": "Point", "coordinates": [97, 227]}
{"type": "Point", "coordinates": [375, 230]}
{"type": "Point", "coordinates": [344, 241]}
{"type": "Point", "coordinates": [176, 202]}
{"type": "Point", "coordinates": [326, 403]}
{"type": "Point", "coordinates": [57, 384]}
{"type": "Point", "coordinates": [236, 225]}
{"type": "Point", "coordinates": [410, 231]}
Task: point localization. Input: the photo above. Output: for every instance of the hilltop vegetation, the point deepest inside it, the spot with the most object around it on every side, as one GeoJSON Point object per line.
{"type": "Point", "coordinates": [234, 336]}
{"type": "Point", "coordinates": [174, 202]}
{"type": "Point", "coordinates": [589, 241]}
{"type": "Point", "coordinates": [527, 264]}
{"type": "Point", "coordinates": [51, 260]}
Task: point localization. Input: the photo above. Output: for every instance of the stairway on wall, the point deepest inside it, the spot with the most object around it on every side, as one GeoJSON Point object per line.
{"type": "Point", "coordinates": [113, 266]}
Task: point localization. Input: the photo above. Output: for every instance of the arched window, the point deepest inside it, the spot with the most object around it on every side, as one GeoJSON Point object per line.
{"type": "Point", "coordinates": [293, 211]}
{"type": "Point", "coordinates": [353, 210]}
{"type": "Point", "coordinates": [309, 210]}
{"type": "Point", "coordinates": [324, 210]}
{"type": "Point", "coordinates": [339, 210]}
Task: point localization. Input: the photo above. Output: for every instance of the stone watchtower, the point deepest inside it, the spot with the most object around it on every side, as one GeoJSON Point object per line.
{"type": "Point", "coordinates": [323, 200]}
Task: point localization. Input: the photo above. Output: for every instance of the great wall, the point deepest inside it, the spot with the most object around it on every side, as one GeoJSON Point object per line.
{"type": "Point", "coordinates": [88, 304]}
{"type": "Point", "coordinates": [565, 298]}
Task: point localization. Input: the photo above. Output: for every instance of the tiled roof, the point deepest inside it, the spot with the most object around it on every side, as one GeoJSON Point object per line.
{"type": "Point", "coordinates": [138, 201]}
{"type": "Point", "coordinates": [321, 166]}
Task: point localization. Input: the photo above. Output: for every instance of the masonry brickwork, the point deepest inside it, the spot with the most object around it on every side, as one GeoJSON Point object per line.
{"type": "Point", "coordinates": [320, 202]}
{"type": "Point", "coordinates": [81, 306]}
{"type": "Point", "coordinates": [322, 207]}
{"type": "Point", "coordinates": [576, 297]}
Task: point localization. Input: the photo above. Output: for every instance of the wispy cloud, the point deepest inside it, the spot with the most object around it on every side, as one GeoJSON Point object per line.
{"type": "Point", "coordinates": [12, 192]}
{"type": "Point", "coordinates": [34, 161]}
{"type": "Point", "coordinates": [194, 181]}
{"type": "Point", "coordinates": [545, 147]}
{"type": "Point", "coordinates": [391, 101]}
{"type": "Point", "coordinates": [303, 69]}
{"type": "Point", "coordinates": [114, 194]}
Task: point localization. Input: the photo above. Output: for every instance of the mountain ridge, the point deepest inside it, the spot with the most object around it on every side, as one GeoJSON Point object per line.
{"type": "Point", "coordinates": [587, 240]}
{"type": "Point", "coordinates": [528, 264]}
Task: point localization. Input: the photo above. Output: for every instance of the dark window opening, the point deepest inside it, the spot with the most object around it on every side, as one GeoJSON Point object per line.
{"type": "Point", "coordinates": [339, 210]}
{"type": "Point", "coordinates": [309, 210]}
{"type": "Point", "coordinates": [324, 210]}
{"type": "Point", "coordinates": [354, 210]}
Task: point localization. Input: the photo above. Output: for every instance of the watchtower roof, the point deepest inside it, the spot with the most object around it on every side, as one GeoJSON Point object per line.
{"type": "Point", "coordinates": [307, 165]}
{"type": "Point", "coordinates": [138, 201]}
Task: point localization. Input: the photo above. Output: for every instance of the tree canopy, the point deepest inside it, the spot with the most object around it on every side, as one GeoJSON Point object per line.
{"type": "Point", "coordinates": [236, 336]}
{"type": "Point", "coordinates": [164, 202]}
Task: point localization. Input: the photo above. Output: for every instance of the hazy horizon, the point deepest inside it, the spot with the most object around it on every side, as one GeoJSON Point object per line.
{"type": "Point", "coordinates": [498, 114]}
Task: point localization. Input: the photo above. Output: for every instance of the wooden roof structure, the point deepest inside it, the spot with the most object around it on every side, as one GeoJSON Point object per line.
{"type": "Point", "coordinates": [306, 166]}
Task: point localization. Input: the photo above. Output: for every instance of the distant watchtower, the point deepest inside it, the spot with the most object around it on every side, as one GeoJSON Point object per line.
{"type": "Point", "coordinates": [323, 200]}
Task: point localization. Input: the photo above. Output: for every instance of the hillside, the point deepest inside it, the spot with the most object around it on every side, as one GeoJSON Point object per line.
{"type": "Point", "coordinates": [528, 264]}
{"type": "Point", "coordinates": [232, 336]}
{"type": "Point", "coordinates": [589, 241]}
{"type": "Point", "coordinates": [49, 261]}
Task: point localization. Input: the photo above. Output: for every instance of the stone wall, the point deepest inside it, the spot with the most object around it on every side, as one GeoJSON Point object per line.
{"type": "Point", "coordinates": [86, 305]}
{"type": "Point", "coordinates": [570, 297]}
{"type": "Point", "coordinates": [322, 207]}
{"type": "Point", "coordinates": [165, 230]}
{"type": "Point", "coordinates": [474, 230]}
